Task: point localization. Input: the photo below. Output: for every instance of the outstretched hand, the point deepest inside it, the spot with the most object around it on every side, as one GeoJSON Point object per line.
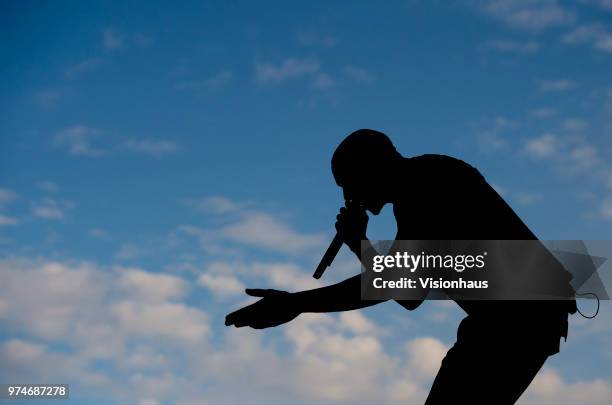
{"type": "Point", "coordinates": [274, 308]}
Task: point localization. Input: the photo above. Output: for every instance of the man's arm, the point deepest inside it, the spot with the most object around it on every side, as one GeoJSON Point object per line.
{"type": "Point", "coordinates": [343, 296]}
{"type": "Point", "coordinates": [278, 307]}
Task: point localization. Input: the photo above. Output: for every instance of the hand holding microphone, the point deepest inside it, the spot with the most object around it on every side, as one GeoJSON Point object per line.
{"type": "Point", "coordinates": [351, 225]}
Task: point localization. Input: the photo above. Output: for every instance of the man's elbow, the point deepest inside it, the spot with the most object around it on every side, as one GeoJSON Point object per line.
{"type": "Point", "coordinates": [409, 304]}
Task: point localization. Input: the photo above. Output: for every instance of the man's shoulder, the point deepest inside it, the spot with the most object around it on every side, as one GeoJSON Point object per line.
{"type": "Point", "coordinates": [431, 164]}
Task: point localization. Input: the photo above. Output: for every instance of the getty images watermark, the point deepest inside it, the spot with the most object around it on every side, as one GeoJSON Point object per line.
{"type": "Point", "coordinates": [484, 269]}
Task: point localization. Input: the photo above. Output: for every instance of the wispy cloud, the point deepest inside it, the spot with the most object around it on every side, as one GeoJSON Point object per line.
{"type": "Point", "coordinates": [216, 81]}
{"type": "Point", "coordinates": [543, 146]}
{"type": "Point", "coordinates": [268, 73]}
{"type": "Point", "coordinates": [510, 46]}
{"type": "Point", "coordinates": [152, 147]}
{"type": "Point", "coordinates": [530, 15]}
{"type": "Point", "coordinates": [246, 226]}
{"type": "Point", "coordinates": [359, 74]}
{"type": "Point", "coordinates": [574, 124]}
{"type": "Point", "coordinates": [527, 197]}
{"type": "Point", "coordinates": [112, 39]}
{"type": "Point", "coordinates": [596, 35]}
{"type": "Point", "coordinates": [606, 208]}
{"type": "Point", "coordinates": [549, 388]}
{"type": "Point", "coordinates": [98, 233]}
{"type": "Point", "coordinates": [47, 99]}
{"type": "Point", "coordinates": [6, 196]}
{"type": "Point", "coordinates": [83, 66]}
{"type": "Point", "coordinates": [128, 251]}
{"type": "Point", "coordinates": [221, 285]}
{"type": "Point", "coordinates": [263, 230]}
{"type": "Point", "coordinates": [49, 208]}
{"type": "Point", "coordinates": [313, 39]}
{"type": "Point", "coordinates": [8, 221]}
{"type": "Point", "coordinates": [494, 138]}
{"type": "Point", "coordinates": [48, 186]}
{"type": "Point", "coordinates": [556, 85]}
{"type": "Point", "coordinates": [323, 81]}
{"type": "Point", "coordinates": [77, 139]}
{"type": "Point", "coordinates": [571, 155]}
{"type": "Point", "coordinates": [604, 4]}
{"type": "Point", "coordinates": [216, 205]}
{"type": "Point", "coordinates": [544, 112]}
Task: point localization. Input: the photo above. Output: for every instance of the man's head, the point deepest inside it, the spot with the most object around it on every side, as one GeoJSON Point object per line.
{"type": "Point", "coordinates": [363, 165]}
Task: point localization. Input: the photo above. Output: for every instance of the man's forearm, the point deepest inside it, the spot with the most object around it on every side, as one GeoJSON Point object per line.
{"type": "Point", "coordinates": [343, 296]}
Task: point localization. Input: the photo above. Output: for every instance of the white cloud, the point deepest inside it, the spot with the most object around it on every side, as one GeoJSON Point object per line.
{"type": "Point", "coordinates": [544, 112]}
{"type": "Point", "coordinates": [556, 85]}
{"type": "Point", "coordinates": [98, 233]}
{"type": "Point", "coordinates": [6, 196]}
{"type": "Point", "coordinates": [95, 309]}
{"type": "Point", "coordinates": [359, 75]}
{"type": "Point", "coordinates": [493, 139]}
{"type": "Point", "coordinates": [47, 98]}
{"type": "Point", "coordinates": [574, 124]}
{"type": "Point", "coordinates": [606, 209]}
{"type": "Point", "coordinates": [323, 81]}
{"type": "Point", "coordinates": [151, 286]}
{"type": "Point", "coordinates": [262, 230]}
{"type": "Point", "coordinates": [32, 361]}
{"type": "Point", "coordinates": [359, 324]}
{"type": "Point", "coordinates": [77, 140]}
{"type": "Point", "coordinates": [49, 208]}
{"type": "Point", "coordinates": [268, 73]}
{"type": "Point", "coordinates": [543, 146]}
{"type": "Point", "coordinates": [527, 197]}
{"type": "Point", "coordinates": [85, 65]}
{"type": "Point", "coordinates": [594, 34]}
{"type": "Point", "coordinates": [606, 4]}
{"type": "Point", "coordinates": [161, 319]}
{"type": "Point", "coordinates": [249, 227]}
{"type": "Point", "coordinates": [530, 15]}
{"type": "Point", "coordinates": [216, 205]}
{"type": "Point", "coordinates": [510, 46]}
{"type": "Point", "coordinates": [48, 186]}
{"type": "Point", "coordinates": [312, 39]}
{"type": "Point", "coordinates": [216, 81]}
{"type": "Point", "coordinates": [46, 299]}
{"type": "Point", "coordinates": [425, 356]}
{"type": "Point", "coordinates": [221, 285]}
{"type": "Point", "coordinates": [549, 388]}
{"type": "Point", "coordinates": [8, 221]}
{"type": "Point", "coordinates": [128, 251]}
{"type": "Point", "coordinates": [156, 347]}
{"type": "Point", "coordinates": [281, 275]}
{"type": "Point", "coordinates": [111, 39]}
{"type": "Point", "coordinates": [152, 147]}
{"type": "Point", "coordinates": [573, 155]}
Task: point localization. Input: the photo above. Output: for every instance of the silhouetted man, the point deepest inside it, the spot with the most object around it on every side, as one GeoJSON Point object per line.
{"type": "Point", "coordinates": [500, 345]}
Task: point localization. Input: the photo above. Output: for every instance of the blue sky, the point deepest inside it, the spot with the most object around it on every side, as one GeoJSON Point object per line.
{"type": "Point", "coordinates": [156, 158]}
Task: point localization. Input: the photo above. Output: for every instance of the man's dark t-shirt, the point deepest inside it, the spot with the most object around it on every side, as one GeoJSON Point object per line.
{"type": "Point", "coordinates": [447, 199]}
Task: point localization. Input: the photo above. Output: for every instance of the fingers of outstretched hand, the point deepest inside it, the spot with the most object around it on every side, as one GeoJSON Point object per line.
{"type": "Point", "coordinates": [240, 317]}
{"type": "Point", "coordinates": [247, 317]}
{"type": "Point", "coordinates": [263, 292]}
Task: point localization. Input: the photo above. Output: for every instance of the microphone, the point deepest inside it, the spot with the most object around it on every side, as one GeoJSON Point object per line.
{"type": "Point", "coordinates": [332, 250]}
{"type": "Point", "coordinates": [329, 256]}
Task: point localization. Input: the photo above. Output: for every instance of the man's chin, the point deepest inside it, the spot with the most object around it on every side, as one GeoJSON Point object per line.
{"type": "Point", "coordinates": [375, 210]}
